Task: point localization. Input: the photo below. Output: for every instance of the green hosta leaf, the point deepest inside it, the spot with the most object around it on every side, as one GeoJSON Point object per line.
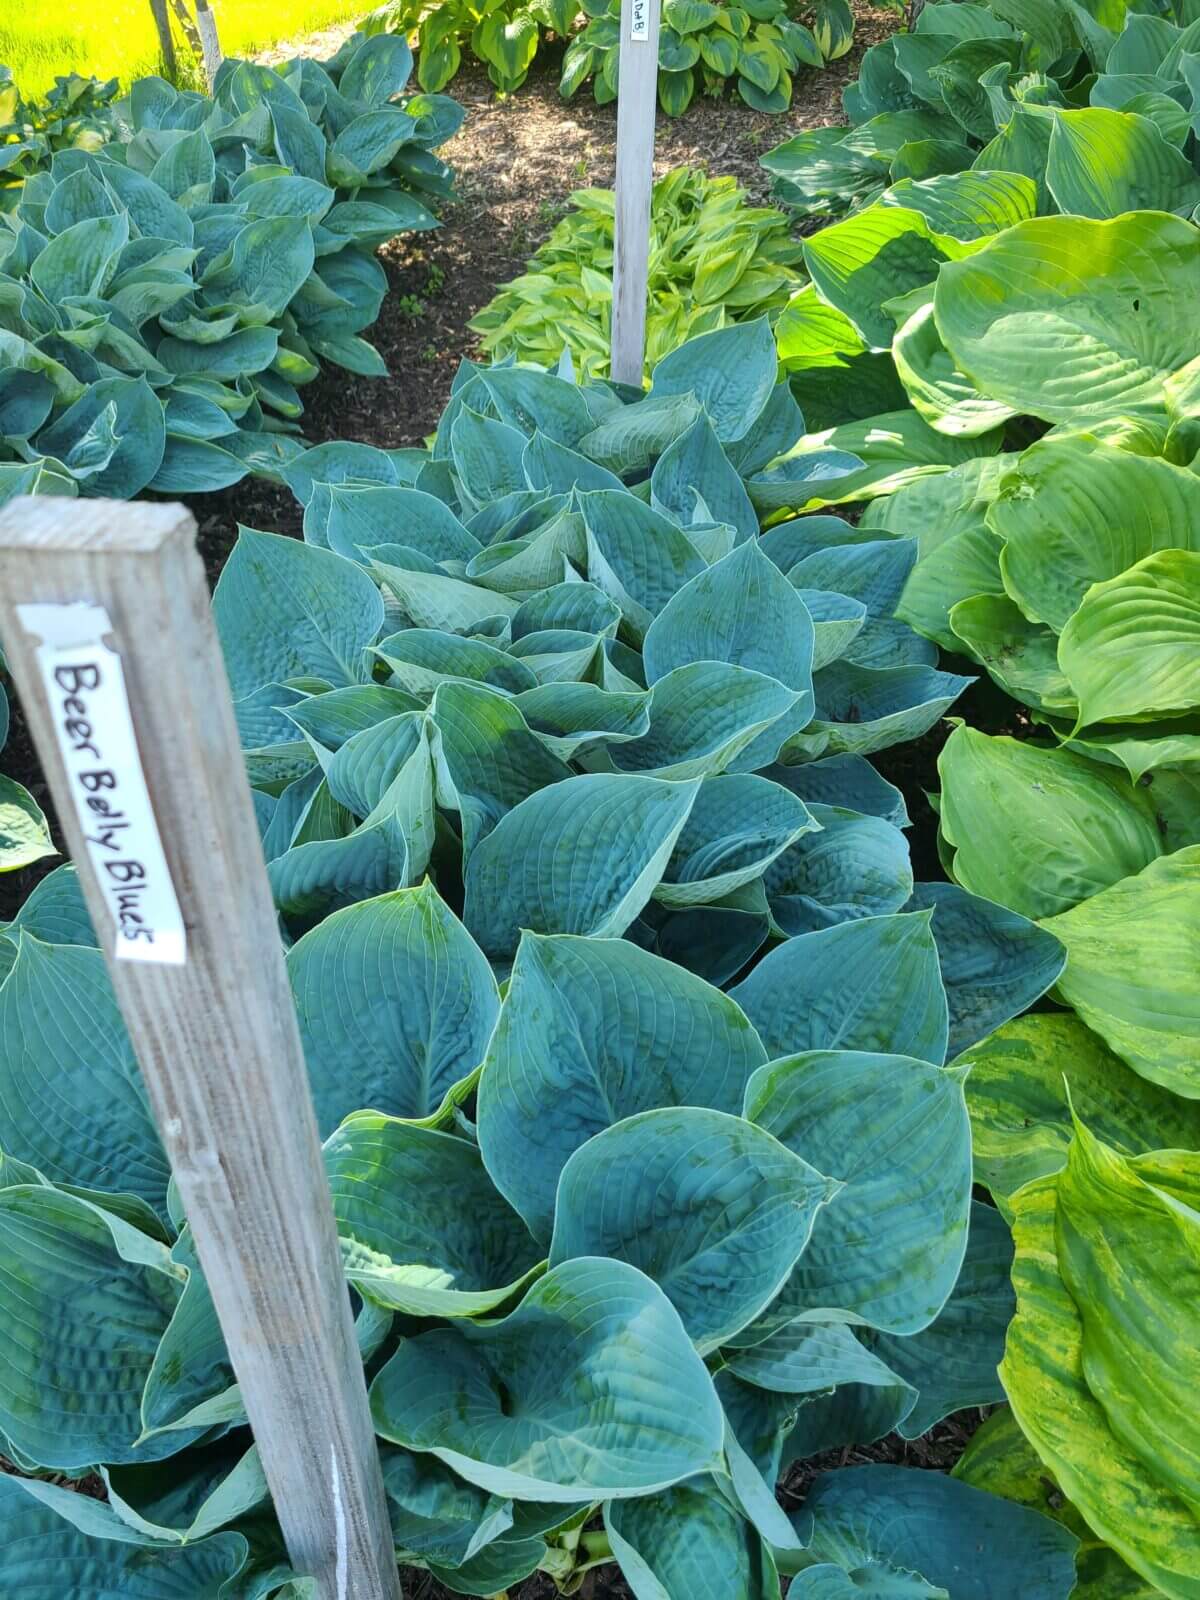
{"type": "Point", "coordinates": [854, 866]}
{"type": "Point", "coordinates": [24, 831]}
{"type": "Point", "coordinates": [95, 1297]}
{"type": "Point", "coordinates": [1132, 1508]}
{"type": "Point", "coordinates": [1102, 828]}
{"type": "Point", "coordinates": [710, 1207]}
{"type": "Point", "coordinates": [1131, 968]}
{"type": "Point", "coordinates": [961, 1541]}
{"type": "Point", "coordinates": [887, 1251]}
{"type": "Point", "coordinates": [1133, 647]}
{"type": "Point", "coordinates": [422, 1228]}
{"type": "Point", "coordinates": [284, 609]}
{"type": "Point", "coordinates": [953, 1363]}
{"type": "Point", "coordinates": [995, 963]}
{"type": "Point", "coordinates": [396, 1006]}
{"type": "Point", "coordinates": [870, 984]}
{"type": "Point", "coordinates": [944, 396]}
{"type": "Point", "coordinates": [1064, 318]}
{"type": "Point", "coordinates": [581, 856]}
{"type": "Point", "coordinates": [1102, 163]}
{"type": "Point", "coordinates": [689, 1540]}
{"type": "Point", "coordinates": [1020, 1114]}
{"type": "Point", "coordinates": [71, 1097]}
{"type": "Point", "coordinates": [731, 372]}
{"type": "Point", "coordinates": [967, 205]}
{"type": "Point", "coordinates": [591, 1032]}
{"type": "Point", "coordinates": [894, 449]}
{"type": "Point", "coordinates": [738, 825]}
{"type": "Point", "coordinates": [489, 1401]}
{"type": "Point", "coordinates": [1075, 512]}
{"type": "Point", "coordinates": [1022, 656]}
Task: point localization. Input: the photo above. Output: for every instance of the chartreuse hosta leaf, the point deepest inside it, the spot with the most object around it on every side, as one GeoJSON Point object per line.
{"type": "Point", "coordinates": [1130, 970]}
{"type": "Point", "coordinates": [710, 1207]}
{"type": "Point", "coordinates": [396, 1004]}
{"type": "Point", "coordinates": [887, 1251]}
{"type": "Point", "coordinates": [640, 1415]}
{"type": "Point", "coordinates": [917, 1534]}
{"type": "Point", "coordinates": [590, 1032]}
{"type": "Point", "coordinates": [1060, 828]}
{"type": "Point", "coordinates": [422, 1228]}
{"type": "Point", "coordinates": [1129, 1501]}
{"type": "Point", "coordinates": [24, 831]}
{"type": "Point", "coordinates": [1017, 1095]}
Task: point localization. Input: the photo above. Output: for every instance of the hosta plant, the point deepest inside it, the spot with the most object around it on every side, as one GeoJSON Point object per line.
{"type": "Point", "coordinates": [503, 34]}
{"type": "Point", "coordinates": [76, 114]}
{"type": "Point", "coordinates": [162, 297]}
{"type": "Point", "coordinates": [24, 832]}
{"type": "Point", "coordinates": [703, 45]}
{"type": "Point", "coordinates": [714, 259]}
{"type": "Point", "coordinates": [1005, 87]}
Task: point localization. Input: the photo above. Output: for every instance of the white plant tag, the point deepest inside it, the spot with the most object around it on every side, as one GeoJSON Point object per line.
{"type": "Point", "coordinates": [639, 19]}
{"type": "Point", "coordinates": [94, 729]}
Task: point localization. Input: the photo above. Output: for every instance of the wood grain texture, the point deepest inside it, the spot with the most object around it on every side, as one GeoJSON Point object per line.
{"type": "Point", "coordinates": [636, 103]}
{"type": "Point", "coordinates": [216, 1038]}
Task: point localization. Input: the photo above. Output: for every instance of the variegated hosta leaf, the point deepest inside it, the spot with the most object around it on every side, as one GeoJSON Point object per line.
{"type": "Point", "coordinates": [489, 1400]}
{"type": "Point", "coordinates": [689, 1540]}
{"type": "Point", "coordinates": [422, 1228]}
{"type": "Point", "coordinates": [710, 1207]}
{"type": "Point", "coordinates": [590, 1032]}
{"type": "Point", "coordinates": [887, 1250]}
{"type": "Point", "coordinates": [396, 1004]}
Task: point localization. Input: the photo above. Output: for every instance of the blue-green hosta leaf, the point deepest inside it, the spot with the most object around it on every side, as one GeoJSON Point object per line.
{"type": "Point", "coordinates": [864, 709]}
{"type": "Point", "coordinates": [435, 1516]}
{"type": "Point", "coordinates": [689, 1540]}
{"type": "Point", "coordinates": [190, 1384]}
{"type": "Point", "coordinates": [731, 372]}
{"type": "Point", "coordinates": [739, 824]}
{"type": "Point", "coordinates": [850, 783]}
{"type": "Point", "coordinates": [1020, 1114]}
{"type": "Point", "coordinates": [640, 1416]}
{"type": "Point", "coordinates": [1040, 317]}
{"type": "Point", "coordinates": [953, 1362]}
{"type": "Point", "coordinates": [995, 963]}
{"type": "Point", "coordinates": [284, 609]}
{"type": "Point", "coordinates": [1104, 162]}
{"type": "Point", "coordinates": [636, 556]}
{"type": "Point", "coordinates": [590, 1032]}
{"type": "Point", "coordinates": [713, 1209]}
{"type": "Point", "coordinates": [568, 605]}
{"type": "Point", "coordinates": [434, 600]}
{"type": "Point", "coordinates": [422, 658]}
{"type": "Point", "coordinates": [571, 717]}
{"type": "Point", "coordinates": [352, 518]}
{"type": "Point", "coordinates": [705, 715]}
{"type": "Point", "coordinates": [486, 455]}
{"type": "Point", "coordinates": [807, 1357]}
{"type": "Point", "coordinates": [631, 438]}
{"type": "Point", "coordinates": [536, 402]}
{"type": "Point", "coordinates": [554, 469]}
{"type": "Point", "coordinates": [741, 610]}
{"type": "Point", "coordinates": [887, 1251]}
{"type": "Point", "coordinates": [851, 1414]}
{"type": "Point", "coordinates": [396, 1006]}
{"type": "Point", "coordinates": [872, 571]}
{"type": "Point", "coordinates": [582, 856]}
{"type": "Point", "coordinates": [962, 1541]}
{"type": "Point", "coordinates": [1060, 828]}
{"type": "Point", "coordinates": [331, 718]}
{"type": "Point", "coordinates": [422, 1228]}
{"type": "Point", "coordinates": [71, 1097]}
{"type": "Point", "coordinates": [82, 260]}
{"type": "Point", "coordinates": [54, 911]}
{"type": "Point", "coordinates": [113, 438]}
{"type": "Point", "coordinates": [716, 940]}
{"type": "Point", "coordinates": [695, 465]}
{"type": "Point", "coordinates": [871, 984]}
{"type": "Point", "coordinates": [264, 268]}
{"type": "Point", "coordinates": [94, 1297]}
{"type": "Point", "coordinates": [51, 1533]}
{"type": "Point", "coordinates": [213, 1486]}
{"type": "Point", "coordinates": [855, 866]}
{"type": "Point", "coordinates": [364, 766]}
{"type": "Point", "coordinates": [1130, 968]}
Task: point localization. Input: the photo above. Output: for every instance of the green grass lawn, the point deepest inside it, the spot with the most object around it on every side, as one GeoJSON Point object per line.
{"type": "Point", "coordinates": [116, 38]}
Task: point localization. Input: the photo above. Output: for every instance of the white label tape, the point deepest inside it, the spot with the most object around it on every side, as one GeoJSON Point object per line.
{"type": "Point", "coordinates": [639, 19]}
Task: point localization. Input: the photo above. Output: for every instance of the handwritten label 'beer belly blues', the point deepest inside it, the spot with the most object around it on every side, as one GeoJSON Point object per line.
{"type": "Point", "coordinates": [639, 19]}
{"type": "Point", "coordinates": [94, 729]}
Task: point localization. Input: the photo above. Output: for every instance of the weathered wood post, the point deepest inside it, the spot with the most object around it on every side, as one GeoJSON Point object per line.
{"type": "Point", "coordinates": [105, 617]}
{"type": "Point", "coordinates": [637, 93]}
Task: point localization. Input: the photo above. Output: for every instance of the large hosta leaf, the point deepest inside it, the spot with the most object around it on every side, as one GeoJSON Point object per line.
{"type": "Point", "coordinates": [1133, 647]}
{"type": "Point", "coordinates": [864, 709]}
{"type": "Point", "coordinates": [1131, 968]}
{"type": "Point", "coordinates": [855, 866]}
{"type": "Point", "coordinates": [1059, 828]}
{"type": "Point", "coordinates": [707, 715]}
{"type": "Point", "coordinates": [1104, 162]}
{"type": "Point", "coordinates": [1071, 319]}
{"type": "Point", "coordinates": [72, 1101]}
{"type": "Point", "coordinates": [1021, 1116]}
{"type": "Point", "coordinates": [688, 1540]}
{"type": "Point", "coordinates": [422, 1228]}
{"type": "Point", "coordinates": [590, 1032]}
{"type": "Point", "coordinates": [711, 1207]}
{"type": "Point", "coordinates": [582, 856]}
{"type": "Point", "coordinates": [396, 1004]}
{"type": "Point", "coordinates": [1043, 1372]}
{"type": "Point", "coordinates": [738, 825]}
{"type": "Point", "coordinates": [731, 372]}
{"type": "Point", "coordinates": [871, 984]}
{"type": "Point", "coordinates": [639, 1415]}
{"type": "Point", "coordinates": [887, 1251]}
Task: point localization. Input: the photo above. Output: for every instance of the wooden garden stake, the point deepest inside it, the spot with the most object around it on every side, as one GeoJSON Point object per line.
{"type": "Point", "coordinates": [637, 94]}
{"type": "Point", "coordinates": [105, 617]}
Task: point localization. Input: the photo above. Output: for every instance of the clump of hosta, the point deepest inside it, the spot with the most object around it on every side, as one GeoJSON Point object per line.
{"type": "Point", "coordinates": [714, 260]}
{"type": "Point", "coordinates": [169, 291]}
